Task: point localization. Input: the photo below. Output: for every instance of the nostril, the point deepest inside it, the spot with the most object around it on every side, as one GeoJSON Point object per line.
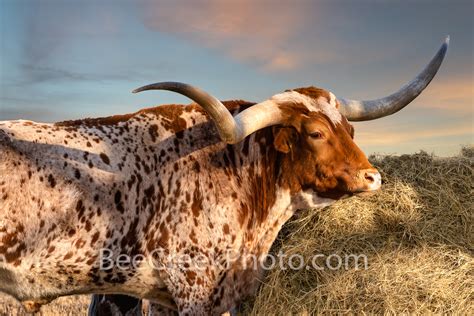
{"type": "Point", "coordinates": [369, 177]}
{"type": "Point", "coordinates": [369, 180]}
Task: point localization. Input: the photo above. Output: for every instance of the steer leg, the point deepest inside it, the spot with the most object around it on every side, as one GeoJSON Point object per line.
{"type": "Point", "coordinates": [122, 305]}
{"type": "Point", "coordinates": [195, 299]}
{"type": "Point", "coordinates": [114, 305]}
{"type": "Point", "coordinates": [153, 309]}
{"type": "Point", "coordinates": [196, 308]}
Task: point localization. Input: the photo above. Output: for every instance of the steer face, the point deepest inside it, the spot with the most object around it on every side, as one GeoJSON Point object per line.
{"type": "Point", "coordinates": [320, 153]}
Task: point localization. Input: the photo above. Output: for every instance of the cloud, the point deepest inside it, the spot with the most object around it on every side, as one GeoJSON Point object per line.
{"type": "Point", "coordinates": [51, 30]}
{"type": "Point", "coordinates": [50, 26]}
{"type": "Point", "coordinates": [453, 94]}
{"type": "Point", "coordinates": [271, 35]}
{"type": "Point", "coordinates": [43, 73]}
{"type": "Point", "coordinates": [34, 74]}
{"type": "Point", "coordinates": [260, 33]}
{"type": "Point", "coordinates": [366, 138]}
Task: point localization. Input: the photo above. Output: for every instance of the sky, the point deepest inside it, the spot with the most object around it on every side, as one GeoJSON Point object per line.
{"type": "Point", "coordinates": [72, 59]}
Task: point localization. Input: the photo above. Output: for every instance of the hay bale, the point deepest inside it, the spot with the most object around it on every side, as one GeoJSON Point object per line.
{"type": "Point", "coordinates": [416, 233]}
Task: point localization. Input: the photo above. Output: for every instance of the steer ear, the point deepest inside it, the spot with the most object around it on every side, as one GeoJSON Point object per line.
{"type": "Point", "coordinates": [284, 137]}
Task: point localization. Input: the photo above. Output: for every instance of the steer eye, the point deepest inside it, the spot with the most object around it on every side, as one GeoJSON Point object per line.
{"type": "Point", "coordinates": [316, 135]}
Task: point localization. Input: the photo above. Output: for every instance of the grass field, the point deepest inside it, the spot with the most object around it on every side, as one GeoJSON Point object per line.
{"type": "Point", "coordinates": [417, 234]}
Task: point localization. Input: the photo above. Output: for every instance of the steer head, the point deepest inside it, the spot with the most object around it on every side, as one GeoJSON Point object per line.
{"type": "Point", "coordinates": [311, 129]}
{"type": "Point", "coordinates": [318, 148]}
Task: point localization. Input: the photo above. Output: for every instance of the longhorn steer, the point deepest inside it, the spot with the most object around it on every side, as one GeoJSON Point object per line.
{"type": "Point", "coordinates": [166, 183]}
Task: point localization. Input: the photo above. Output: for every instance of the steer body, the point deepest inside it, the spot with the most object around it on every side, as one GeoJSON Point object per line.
{"type": "Point", "coordinates": [167, 183]}
{"type": "Point", "coordinates": [160, 179]}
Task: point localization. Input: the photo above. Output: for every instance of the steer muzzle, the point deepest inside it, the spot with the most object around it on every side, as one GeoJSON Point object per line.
{"type": "Point", "coordinates": [368, 180]}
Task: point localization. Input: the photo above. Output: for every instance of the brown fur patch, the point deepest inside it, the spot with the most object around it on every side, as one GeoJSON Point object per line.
{"type": "Point", "coordinates": [168, 111]}
{"type": "Point", "coordinates": [313, 92]}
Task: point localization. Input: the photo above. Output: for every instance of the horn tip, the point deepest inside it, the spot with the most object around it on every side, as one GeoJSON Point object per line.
{"type": "Point", "coordinates": [444, 48]}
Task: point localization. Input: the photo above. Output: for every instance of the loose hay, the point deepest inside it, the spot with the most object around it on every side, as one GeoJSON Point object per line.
{"type": "Point", "coordinates": [417, 234]}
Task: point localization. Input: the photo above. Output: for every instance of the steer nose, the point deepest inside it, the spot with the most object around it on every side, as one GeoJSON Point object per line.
{"type": "Point", "coordinates": [372, 179]}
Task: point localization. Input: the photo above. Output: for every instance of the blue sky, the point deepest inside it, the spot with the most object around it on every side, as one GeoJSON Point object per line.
{"type": "Point", "coordinates": [71, 59]}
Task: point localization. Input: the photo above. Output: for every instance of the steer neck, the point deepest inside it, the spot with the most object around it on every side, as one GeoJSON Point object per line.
{"type": "Point", "coordinates": [265, 188]}
{"type": "Point", "coordinates": [275, 199]}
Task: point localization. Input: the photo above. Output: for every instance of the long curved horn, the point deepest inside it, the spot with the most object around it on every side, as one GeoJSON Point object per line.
{"type": "Point", "coordinates": [355, 110]}
{"type": "Point", "coordinates": [231, 129]}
